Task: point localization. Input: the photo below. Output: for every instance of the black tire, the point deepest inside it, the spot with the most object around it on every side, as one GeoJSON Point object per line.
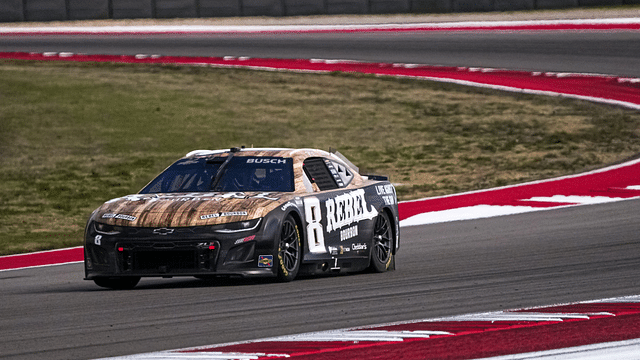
{"type": "Point", "coordinates": [117, 283]}
{"type": "Point", "coordinates": [289, 250]}
{"type": "Point", "coordinates": [382, 258]}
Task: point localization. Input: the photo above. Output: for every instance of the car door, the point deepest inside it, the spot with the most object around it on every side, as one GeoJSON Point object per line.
{"type": "Point", "coordinates": [338, 218]}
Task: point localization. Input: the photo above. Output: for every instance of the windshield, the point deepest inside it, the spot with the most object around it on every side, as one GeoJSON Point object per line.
{"type": "Point", "coordinates": [242, 173]}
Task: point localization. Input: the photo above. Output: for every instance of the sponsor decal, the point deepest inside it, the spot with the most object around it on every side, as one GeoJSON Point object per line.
{"type": "Point", "coordinates": [209, 245]}
{"type": "Point", "coordinates": [340, 250]}
{"type": "Point", "coordinates": [267, 161]}
{"type": "Point", "coordinates": [349, 233]}
{"type": "Point", "coordinates": [348, 208]}
{"type": "Point", "coordinates": [217, 215]}
{"type": "Point", "coordinates": [387, 192]}
{"type": "Point", "coordinates": [357, 247]}
{"type": "Point", "coordinates": [234, 213]}
{"type": "Point", "coordinates": [118, 216]}
{"type": "Point", "coordinates": [244, 240]}
{"type": "Point", "coordinates": [385, 189]}
{"type": "Point", "coordinates": [265, 261]}
{"type": "Point", "coordinates": [335, 174]}
{"type": "Point", "coordinates": [389, 199]}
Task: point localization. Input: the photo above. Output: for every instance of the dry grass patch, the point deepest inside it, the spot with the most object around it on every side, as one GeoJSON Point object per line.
{"type": "Point", "coordinates": [75, 135]}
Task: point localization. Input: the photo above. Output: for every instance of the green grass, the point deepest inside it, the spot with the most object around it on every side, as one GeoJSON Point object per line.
{"type": "Point", "coordinates": [75, 135]}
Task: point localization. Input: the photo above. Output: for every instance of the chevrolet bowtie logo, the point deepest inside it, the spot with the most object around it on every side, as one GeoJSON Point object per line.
{"type": "Point", "coordinates": [163, 231]}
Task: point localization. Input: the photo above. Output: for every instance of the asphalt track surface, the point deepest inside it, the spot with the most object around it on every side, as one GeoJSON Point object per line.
{"type": "Point", "coordinates": [541, 258]}
{"type": "Point", "coordinates": [533, 259]}
{"type": "Point", "coordinates": [614, 52]}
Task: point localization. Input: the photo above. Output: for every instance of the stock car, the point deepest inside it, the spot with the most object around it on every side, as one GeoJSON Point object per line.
{"type": "Point", "coordinates": [246, 212]}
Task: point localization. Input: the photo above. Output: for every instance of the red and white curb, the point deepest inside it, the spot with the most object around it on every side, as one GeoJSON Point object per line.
{"type": "Point", "coordinates": [606, 89]}
{"type": "Point", "coordinates": [589, 329]}
{"type": "Point", "coordinates": [609, 89]}
{"type": "Point", "coordinates": [42, 258]}
{"type": "Point", "coordinates": [610, 184]}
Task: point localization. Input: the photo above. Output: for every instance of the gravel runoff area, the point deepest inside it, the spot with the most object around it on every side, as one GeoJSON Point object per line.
{"type": "Point", "coordinates": [582, 13]}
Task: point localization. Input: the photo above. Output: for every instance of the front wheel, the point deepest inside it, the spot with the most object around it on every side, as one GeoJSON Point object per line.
{"type": "Point", "coordinates": [382, 258]}
{"type": "Point", "coordinates": [289, 250]}
{"type": "Point", "coordinates": [117, 283]}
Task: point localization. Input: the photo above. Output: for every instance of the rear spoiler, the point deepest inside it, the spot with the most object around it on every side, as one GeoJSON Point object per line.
{"type": "Point", "coordinates": [344, 159]}
{"type": "Point", "coordinates": [351, 165]}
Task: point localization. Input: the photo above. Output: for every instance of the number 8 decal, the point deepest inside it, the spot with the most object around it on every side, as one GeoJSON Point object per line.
{"type": "Point", "coordinates": [315, 234]}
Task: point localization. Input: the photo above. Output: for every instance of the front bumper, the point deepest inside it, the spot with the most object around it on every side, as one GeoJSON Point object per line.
{"type": "Point", "coordinates": [191, 251]}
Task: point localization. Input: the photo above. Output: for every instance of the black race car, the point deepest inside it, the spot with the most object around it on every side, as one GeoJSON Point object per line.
{"type": "Point", "coordinates": [247, 212]}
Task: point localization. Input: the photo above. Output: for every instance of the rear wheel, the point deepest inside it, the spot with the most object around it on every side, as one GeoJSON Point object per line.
{"type": "Point", "coordinates": [118, 283]}
{"type": "Point", "coordinates": [289, 250]}
{"type": "Point", "coordinates": [381, 253]}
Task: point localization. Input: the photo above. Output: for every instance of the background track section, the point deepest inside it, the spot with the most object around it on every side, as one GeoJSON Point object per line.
{"type": "Point", "coordinates": [614, 52]}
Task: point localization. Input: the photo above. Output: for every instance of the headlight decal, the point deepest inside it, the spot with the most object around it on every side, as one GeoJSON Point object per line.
{"type": "Point", "coordinates": [248, 225]}
{"type": "Point", "coordinates": [106, 229]}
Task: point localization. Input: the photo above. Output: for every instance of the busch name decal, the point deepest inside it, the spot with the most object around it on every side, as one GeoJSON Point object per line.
{"type": "Point", "coordinates": [267, 161]}
{"type": "Point", "coordinates": [347, 209]}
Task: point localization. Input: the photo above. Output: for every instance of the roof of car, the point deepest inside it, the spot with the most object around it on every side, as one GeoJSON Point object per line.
{"type": "Point", "coordinates": [283, 152]}
{"type": "Point", "coordinates": [296, 154]}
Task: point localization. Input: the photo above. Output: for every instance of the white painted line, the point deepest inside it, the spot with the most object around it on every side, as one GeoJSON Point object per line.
{"type": "Point", "coordinates": [575, 199]}
{"type": "Point", "coordinates": [467, 213]}
{"type": "Point", "coordinates": [213, 355]}
{"type": "Point", "coordinates": [619, 350]}
{"type": "Point", "coordinates": [518, 316]}
{"type": "Point", "coordinates": [361, 335]}
{"type": "Point", "coordinates": [624, 299]}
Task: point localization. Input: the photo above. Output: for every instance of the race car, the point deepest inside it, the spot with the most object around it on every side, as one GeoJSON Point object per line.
{"type": "Point", "coordinates": [246, 212]}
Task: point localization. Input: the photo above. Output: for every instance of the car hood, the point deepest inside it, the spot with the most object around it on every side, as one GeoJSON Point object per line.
{"type": "Point", "coordinates": [193, 209]}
